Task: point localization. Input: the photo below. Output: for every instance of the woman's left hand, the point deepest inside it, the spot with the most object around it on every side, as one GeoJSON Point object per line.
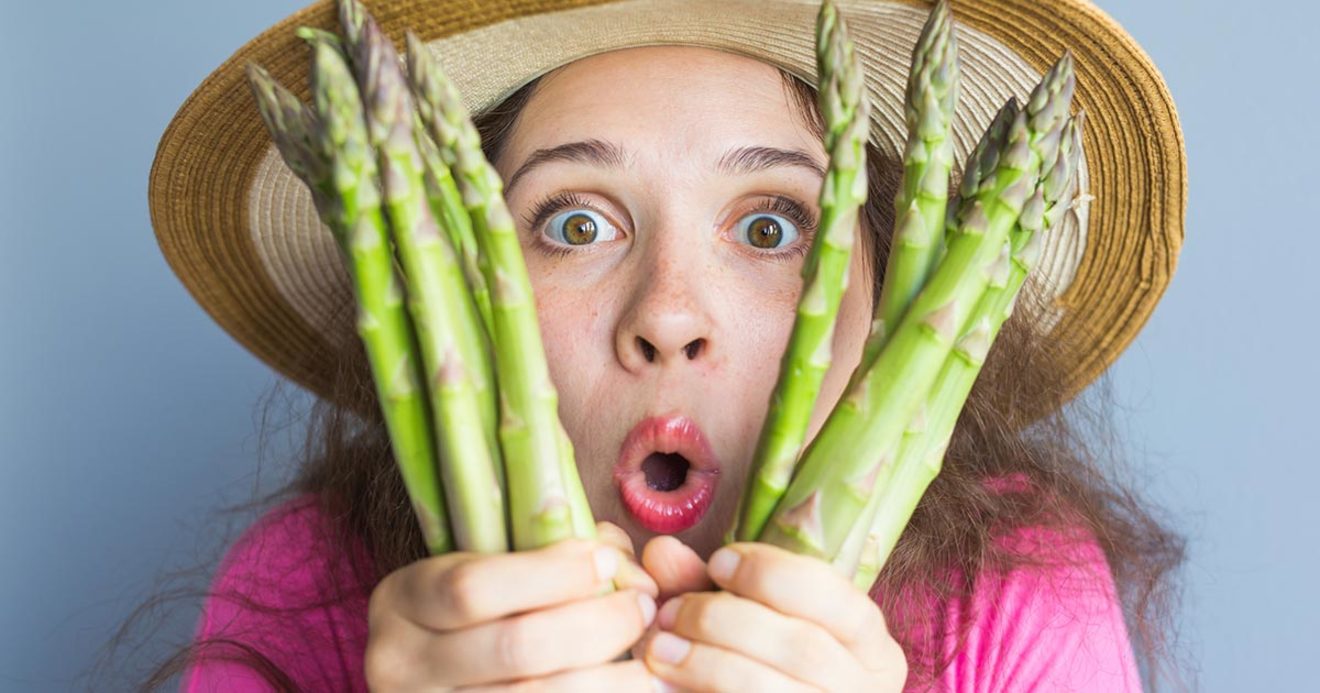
{"type": "Point", "coordinates": [783, 622]}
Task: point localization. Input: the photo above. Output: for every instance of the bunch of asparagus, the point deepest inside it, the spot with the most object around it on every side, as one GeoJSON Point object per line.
{"type": "Point", "coordinates": [395, 169]}
{"type": "Point", "coordinates": [952, 278]}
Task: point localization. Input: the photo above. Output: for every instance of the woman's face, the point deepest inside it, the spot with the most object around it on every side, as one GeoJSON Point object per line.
{"type": "Point", "coordinates": [666, 198]}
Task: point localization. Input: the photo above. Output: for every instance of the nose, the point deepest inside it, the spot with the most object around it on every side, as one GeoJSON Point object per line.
{"type": "Point", "coordinates": [666, 323]}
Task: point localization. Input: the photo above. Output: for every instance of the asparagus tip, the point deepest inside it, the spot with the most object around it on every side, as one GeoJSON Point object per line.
{"type": "Point", "coordinates": [352, 18]}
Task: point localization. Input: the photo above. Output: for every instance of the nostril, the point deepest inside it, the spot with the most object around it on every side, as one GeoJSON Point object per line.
{"type": "Point", "coordinates": [693, 348]}
{"type": "Point", "coordinates": [648, 349]}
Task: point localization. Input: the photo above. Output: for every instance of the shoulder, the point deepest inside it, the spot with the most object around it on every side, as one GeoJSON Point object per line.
{"type": "Point", "coordinates": [292, 544]}
{"type": "Point", "coordinates": [1053, 621]}
{"type": "Point", "coordinates": [289, 597]}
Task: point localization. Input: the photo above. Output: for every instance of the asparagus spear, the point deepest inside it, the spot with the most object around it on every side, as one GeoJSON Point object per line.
{"type": "Point", "coordinates": [447, 207]}
{"type": "Point", "coordinates": [544, 502]}
{"type": "Point", "coordinates": [840, 470]}
{"type": "Point", "coordinates": [922, 454]}
{"type": "Point", "coordinates": [919, 207]}
{"type": "Point", "coordinates": [860, 545]}
{"type": "Point", "coordinates": [332, 158]}
{"type": "Point", "coordinates": [446, 201]}
{"type": "Point", "coordinates": [824, 274]}
{"type": "Point", "coordinates": [447, 325]}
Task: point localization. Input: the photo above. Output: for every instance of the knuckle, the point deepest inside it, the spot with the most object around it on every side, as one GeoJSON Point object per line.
{"type": "Point", "coordinates": [895, 661]}
{"type": "Point", "coordinates": [802, 649]}
{"type": "Point", "coordinates": [385, 664]}
{"type": "Point", "coordinates": [463, 592]}
{"type": "Point", "coordinates": [514, 649]}
{"type": "Point", "coordinates": [378, 604]}
{"type": "Point", "coordinates": [860, 625]}
{"type": "Point", "coordinates": [702, 612]}
{"type": "Point", "coordinates": [753, 573]}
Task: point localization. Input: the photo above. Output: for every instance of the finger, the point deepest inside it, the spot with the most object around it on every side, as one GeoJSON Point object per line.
{"type": "Point", "coordinates": [606, 678]}
{"type": "Point", "coordinates": [798, 648]}
{"type": "Point", "coordinates": [698, 666]}
{"type": "Point", "coordinates": [615, 536]}
{"type": "Point", "coordinates": [805, 588]}
{"type": "Point", "coordinates": [450, 594]}
{"type": "Point", "coordinates": [675, 567]}
{"type": "Point", "coordinates": [630, 575]}
{"type": "Point", "coordinates": [584, 633]}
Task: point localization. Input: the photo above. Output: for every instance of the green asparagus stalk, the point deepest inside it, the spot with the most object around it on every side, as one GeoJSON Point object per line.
{"type": "Point", "coordinates": [447, 324]}
{"type": "Point", "coordinates": [922, 454]}
{"type": "Point", "coordinates": [446, 201]}
{"type": "Point", "coordinates": [984, 158]}
{"type": "Point", "coordinates": [824, 274]}
{"type": "Point", "coordinates": [332, 158]}
{"type": "Point", "coordinates": [447, 207]}
{"type": "Point", "coordinates": [544, 503]}
{"type": "Point", "coordinates": [919, 206]}
{"type": "Point", "coordinates": [840, 471]}
{"type": "Point", "coordinates": [860, 545]}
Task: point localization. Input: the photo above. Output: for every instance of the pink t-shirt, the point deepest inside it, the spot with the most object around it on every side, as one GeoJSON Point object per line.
{"type": "Point", "coordinates": [1056, 628]}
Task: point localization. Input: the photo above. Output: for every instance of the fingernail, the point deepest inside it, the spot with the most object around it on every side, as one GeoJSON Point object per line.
{"type": "Point", "coordinates": [669, 648]}
{"type": "Point", "coordinates": [607, 563]}
{"type": "Point", "coordinates": [647, 605]}
{"type": "Point", "coordinates": [661, 686]}
{"type": "Point", "coordinates": [722, 564]}
{"type": "Point", "coordinates": [669, 613]}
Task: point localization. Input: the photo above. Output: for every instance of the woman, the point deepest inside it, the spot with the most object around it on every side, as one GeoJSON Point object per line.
{"type": "Point", "coordinates": [666, 195]}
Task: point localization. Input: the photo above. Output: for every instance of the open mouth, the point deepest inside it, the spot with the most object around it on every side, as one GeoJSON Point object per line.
{"type": "Point", "coordinates": [665, 471]}
{"type": "Point", "coordinates": [666, 474]}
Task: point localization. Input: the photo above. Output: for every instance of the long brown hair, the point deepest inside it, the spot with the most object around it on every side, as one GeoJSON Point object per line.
{"type": "Point", "coordinates": [1067, 463]}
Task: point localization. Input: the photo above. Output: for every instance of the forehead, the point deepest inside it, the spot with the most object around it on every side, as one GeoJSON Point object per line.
{"type": "Point", "coordinates": [658, 96]}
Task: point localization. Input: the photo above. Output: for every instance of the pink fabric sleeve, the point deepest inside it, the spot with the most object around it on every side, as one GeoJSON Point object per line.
{"type": "Point", "coordinates": [1052, 627]}
{"type": "Point", "coordinates": [282, 591]}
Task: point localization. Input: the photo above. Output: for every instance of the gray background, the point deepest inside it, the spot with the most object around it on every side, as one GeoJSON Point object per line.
{"type": "Point", "coordinates": [128, 418]}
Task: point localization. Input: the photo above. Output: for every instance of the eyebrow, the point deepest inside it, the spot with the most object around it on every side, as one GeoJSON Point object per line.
{"type": "Point", "coordinates": [739, 161]}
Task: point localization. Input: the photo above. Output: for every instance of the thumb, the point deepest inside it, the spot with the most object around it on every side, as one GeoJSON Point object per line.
{"type": "Point", "coordinates": [675, 567]}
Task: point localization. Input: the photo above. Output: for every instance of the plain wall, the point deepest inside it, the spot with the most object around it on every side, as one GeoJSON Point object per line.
{"type": "Point", "coordinates": [128, 418]}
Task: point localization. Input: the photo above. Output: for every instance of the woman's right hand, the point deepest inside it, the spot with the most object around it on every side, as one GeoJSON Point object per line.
{"type": "Point", "coordinates": [475, 621]}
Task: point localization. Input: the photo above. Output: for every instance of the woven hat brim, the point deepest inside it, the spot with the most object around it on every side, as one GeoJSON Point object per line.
{"type": "Point", "coordinates": [240, 232]}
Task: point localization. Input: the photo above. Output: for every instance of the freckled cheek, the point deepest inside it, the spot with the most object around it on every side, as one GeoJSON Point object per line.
{"type": "Point", "coordinates": [756, 321]}
{"type": "Point", "coordinates": [569, 320]}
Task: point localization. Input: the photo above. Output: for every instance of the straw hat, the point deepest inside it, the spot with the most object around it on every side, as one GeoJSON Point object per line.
{"type": "Point", "coordinates": [241, 233]}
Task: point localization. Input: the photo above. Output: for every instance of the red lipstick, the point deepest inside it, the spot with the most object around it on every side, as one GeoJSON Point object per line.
{"type": "Point", "coordinates": [666, 473]}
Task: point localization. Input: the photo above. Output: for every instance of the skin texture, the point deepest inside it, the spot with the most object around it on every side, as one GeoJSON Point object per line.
{"type": "Point", "coordinates": [675, 272]}
{"type": "Point", "coordinates": [667, 268]}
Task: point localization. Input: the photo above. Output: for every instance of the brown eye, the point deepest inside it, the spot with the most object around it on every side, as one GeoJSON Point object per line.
{"type": "Point", "coordinates": [579, 229]}
{"type": "Point", "coordinates": [765, 232]}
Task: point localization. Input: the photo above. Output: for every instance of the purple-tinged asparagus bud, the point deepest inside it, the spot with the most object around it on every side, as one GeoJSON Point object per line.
{"type": "Point", "coordinates": [1033, 212]}
{"type": "Point", "coordinates": [863, 485]}
{"type": "Point", "coordinates": [804, 520]}
{"type": "Point", "coordinates": [944, 321]}
{"type": "Point", "coordinates": [997, 272]}
{"type": "Point", "coordinates": [1017, 153]}
{"type": "Point", "coordinates": [1049, 102]}
{"type": "Point", "coordinates": [920, 420]}
{"type": "Point", "coordinates": [974, 219]}
{"type": "Point", "coordinates": [1029, 254]}
{"type": "Point", "coordinates": [975, 345]}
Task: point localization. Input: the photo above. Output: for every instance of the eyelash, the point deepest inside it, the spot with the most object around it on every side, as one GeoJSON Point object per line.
{"type": "Point", "coordinates": [790, 208]}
